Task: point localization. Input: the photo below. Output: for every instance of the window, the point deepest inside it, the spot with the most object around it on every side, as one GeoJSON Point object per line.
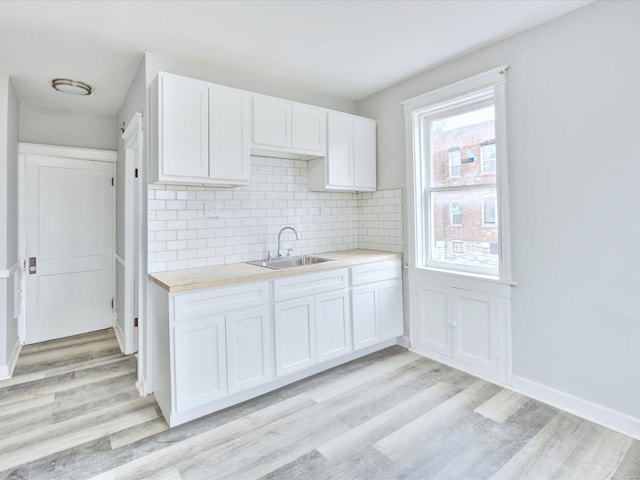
{"type": "Point", "coordinates": [454, 163]}
{"type": "Point", "coordinates": [456, 225]}
{"type": "Point", "coordinates": [488, 158]}
{"type": "Point", "coordinates": [489, 211]}
{"type": "Point", "coordinates": [455, 210]}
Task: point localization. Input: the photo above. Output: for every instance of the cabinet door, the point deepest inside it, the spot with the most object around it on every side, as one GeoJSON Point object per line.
{"type": "Point", "coordinates": [295, 335]}
{"type": "Point", "coordinates": [430, 325]}
{"type": "Point", "coordinates": [271, 121]}
{"type": "Point", "coordinates": [200, 362]}
{"type": "Point", "coordinates": [229, 126]}
{"type": "Point", "coordinates": [390, 305]}
{"type": "Point", "coordinates": [333, 325]}
{"type": "Point", "coordinates": [364, 153]}
{"type": "Point", "coordinates": [309, 128]}
{"type": "Point", "coordinates": [475, 323]}
{"type": "Point", "coordinates": [366, 331]}
{"type": "Point", "coordinates": [339, 150]}
{"type": "Point", "coordinates": [249, 348]}
{"type": "Point", "coordinates": [184, 128]}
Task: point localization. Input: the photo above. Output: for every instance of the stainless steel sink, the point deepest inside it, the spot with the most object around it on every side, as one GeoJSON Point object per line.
{"type": "Point", "coordinates": [282, 263]}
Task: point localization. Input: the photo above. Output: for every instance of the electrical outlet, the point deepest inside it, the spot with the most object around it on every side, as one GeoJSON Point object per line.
{"type": "Point", "coordinates": [211, 210]}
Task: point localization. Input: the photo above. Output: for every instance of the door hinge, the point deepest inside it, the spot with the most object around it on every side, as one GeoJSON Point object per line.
{"type": "Point", "coordinates": [112, 304]}
{"type": "Point", "coordinates": [135, 173]}
{"type": "Point", "coordinates": [135, 322]}
{"type": "Point", "coordinates": [113, 182]}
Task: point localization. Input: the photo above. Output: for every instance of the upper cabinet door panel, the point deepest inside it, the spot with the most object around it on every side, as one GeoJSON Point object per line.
{"type": "Point", "coordinates": [271, 122]}
{"type": "Point", "coordinates": [229, 127]}
{"type": "Point", "coordinates": [184, 127]}
{"type": "Point", "coordinates": [364, 152]}
{"type": "Point", "coordinates": [340, 150]}
{"type": "Point", "coordinates": [309, 128]}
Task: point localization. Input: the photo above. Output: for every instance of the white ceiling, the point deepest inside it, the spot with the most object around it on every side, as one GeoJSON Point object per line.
{"type": "Point", "coordinates": [345, 49]}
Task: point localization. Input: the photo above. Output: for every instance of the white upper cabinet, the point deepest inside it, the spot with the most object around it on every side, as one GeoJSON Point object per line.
{"type": "Point", "coordinates": [340, 151]}
{"type": "Point", "coordinates": [308, 128]}
{"type": "Point", "coordinates": [350, 164]}
{"type": "Point", "coordinates": [284, 128]}
{"type": "Point", "coordinates": [229, 127]}
{"type": "Point", "coordinates": [183, 123]}
{"type": "Point", "coordinates": [364, 153]}
{"type": "Point", "coordinates": [271, 122]}
{"type": "Point", "coordinates": [203, 133]}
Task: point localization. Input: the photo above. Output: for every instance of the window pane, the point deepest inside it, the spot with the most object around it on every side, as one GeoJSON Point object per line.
{"type": "Point", "coordinates": [458, 235]}
{"type": "Point", "coordinates": [488, 158]}
{"type": "Point", "coordinates": [489, 210]}
{"type": "Point", "coordinates": [454, 163]}
{"type": "Point", "coordinates": [464, 135]}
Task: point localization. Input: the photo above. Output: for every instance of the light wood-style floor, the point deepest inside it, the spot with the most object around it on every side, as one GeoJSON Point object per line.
{"type": "Point", "coordinates": [72, 412]}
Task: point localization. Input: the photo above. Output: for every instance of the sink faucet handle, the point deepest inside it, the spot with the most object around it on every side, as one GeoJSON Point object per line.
{"type": "Point", "coordinates": [289, 252]}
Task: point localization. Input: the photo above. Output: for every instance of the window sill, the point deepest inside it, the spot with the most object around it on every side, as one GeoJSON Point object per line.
{"type": "Point", "coordinates": [463, 280]}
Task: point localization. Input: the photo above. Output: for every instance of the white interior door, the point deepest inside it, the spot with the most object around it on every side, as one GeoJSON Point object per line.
{"type": "Point", "coordinates": [69, 237]}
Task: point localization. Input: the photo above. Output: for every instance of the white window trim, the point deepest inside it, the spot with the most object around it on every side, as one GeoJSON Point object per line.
{"type": "Point", "coordinates": [483, 161]}
{"type": "Point", "coordinates": [495, 207]}
{"type": "Point", "coordinates": [414, 108]}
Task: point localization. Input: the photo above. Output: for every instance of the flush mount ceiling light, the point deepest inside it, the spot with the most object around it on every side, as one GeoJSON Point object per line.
{"type": "Point", "coordinates": [74, 87]}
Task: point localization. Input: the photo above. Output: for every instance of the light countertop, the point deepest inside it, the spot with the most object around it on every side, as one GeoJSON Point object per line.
{"type": "Point", "coordinates": [207, 277]}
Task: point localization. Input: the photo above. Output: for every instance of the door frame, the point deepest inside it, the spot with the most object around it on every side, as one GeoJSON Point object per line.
{"type": "Point", "coordinates": [132, 138]}
{"type": "Point", "coordinates": [135, 236]}
{"type": "Point", "coordinates": [25, 149]}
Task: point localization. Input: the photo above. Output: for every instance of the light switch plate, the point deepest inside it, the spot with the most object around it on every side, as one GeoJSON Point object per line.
{"type": "Point", "coordinates": [211, 210]}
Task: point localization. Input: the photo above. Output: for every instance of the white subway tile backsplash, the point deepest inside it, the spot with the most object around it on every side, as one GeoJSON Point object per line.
{"type": "Point", "coordinates": [250, 218]}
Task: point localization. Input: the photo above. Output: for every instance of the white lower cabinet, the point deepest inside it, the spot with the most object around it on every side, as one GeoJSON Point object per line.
{"type": "Point", "coordinates": [249, 348]}
{"type": "Point", "coordinates": [200, 362]}
{"type": "Point", "coordinates": [365, 316]}
{"type": "Point", "coordinates": [295, 335]}
{"type": "Point", "coordinates": [216, 347]}
{"type": "Point", "coordinates": [315, 327]}
{"type": "Point", "coordinates": [333, 325]}
{"type": "Point", "coordinates": [376, 303]}
{"type": "Point", "coordinates": [469, 328]}
{"type": "Point", "coordinates": [391, 309]}
{"type": "Point", "coordinates": [222, 354]}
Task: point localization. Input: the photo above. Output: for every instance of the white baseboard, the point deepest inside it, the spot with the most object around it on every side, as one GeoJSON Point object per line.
{"type": "Point", "coordinates": [141, 385]}
{"type": "Point", "coordinates": [119, 335]}
{"type": "Point", "coordinates": [6, 371]}
{"type": "Point", "coordinates": [403, 341]}
{"type": "Point", "coordinates": [605, 416]}
{"type": "Point", "coordinates": [495, 375]}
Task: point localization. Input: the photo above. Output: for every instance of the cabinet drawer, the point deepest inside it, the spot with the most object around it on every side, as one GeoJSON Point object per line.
{"type": "Point", "coordinates": [375, 272]}
{"type": "Point", "coordinates": [310, 284]}
{"type": "Point", "coordinates": [216, 300]}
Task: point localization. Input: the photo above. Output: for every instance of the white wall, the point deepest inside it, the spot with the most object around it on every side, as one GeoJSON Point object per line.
{"type": "Point", "coordinates": [573, 120]}
{"type": "Point", "coordinates": [51, 126]}
{"type": "Point", "coordinates": [135, 102]}
{"type": "Point", "coordinates": [9, 113]}
{"type": "Point", "coordinates": [156, 63]}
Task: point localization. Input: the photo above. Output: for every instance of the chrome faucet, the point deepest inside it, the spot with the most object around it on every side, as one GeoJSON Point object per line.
{"type": "Point", "coordinates": [279, 234]}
